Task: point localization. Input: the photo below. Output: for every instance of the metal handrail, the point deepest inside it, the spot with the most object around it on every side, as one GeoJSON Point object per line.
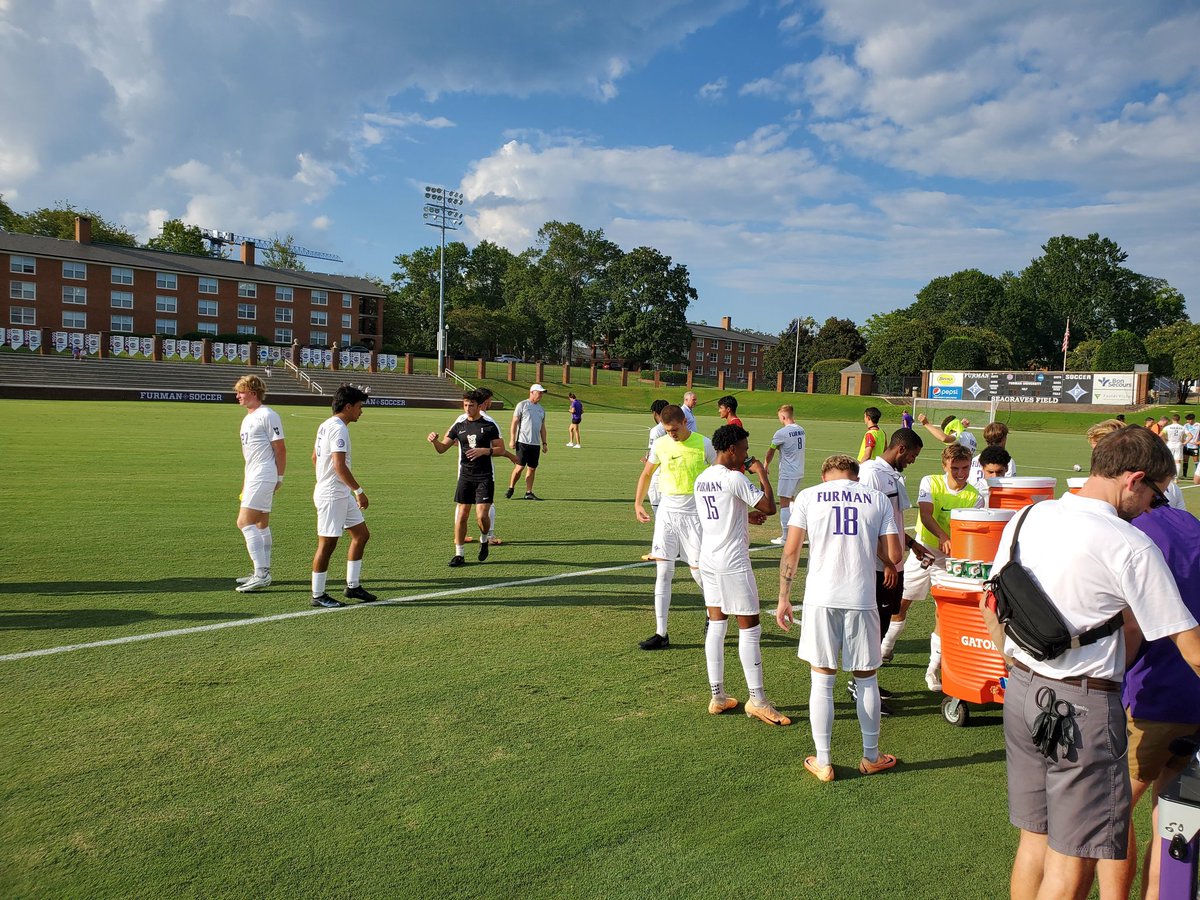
{"type": "Point", "coordinates": [303, 377]}
{"type": "Point", "coordinates": [455, 376]}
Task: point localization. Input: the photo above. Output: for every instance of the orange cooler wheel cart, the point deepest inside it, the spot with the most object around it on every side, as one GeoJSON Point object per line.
{"type": "Point", "coordinates": [972, 667]}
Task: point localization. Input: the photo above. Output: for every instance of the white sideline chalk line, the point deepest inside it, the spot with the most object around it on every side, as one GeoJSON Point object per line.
{"type": "Point", "coordinates": [282, 617]}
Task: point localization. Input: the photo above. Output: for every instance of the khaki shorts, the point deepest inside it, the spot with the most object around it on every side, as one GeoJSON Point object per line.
{"type": "Point", "coordinates": [1150, 746]}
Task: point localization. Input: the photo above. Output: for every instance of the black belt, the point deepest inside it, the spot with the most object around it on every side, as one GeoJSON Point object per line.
{"type": "Point", "coordinates": [1094, 684]}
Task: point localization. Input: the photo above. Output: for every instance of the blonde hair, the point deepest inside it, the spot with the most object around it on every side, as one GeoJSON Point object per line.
{"type": "Point", "coordinates": [787, 409]}
{"type": "Point", "coordinates": [955, 453]}
{"type": "Point", "coordinates": [995, 433]}
{"type": "Point", "coordinates": [253, 384]}
{"type": "Point", "coordinates": [842, 462]}
{"type": "Point", "coordinates": [1103, 430]}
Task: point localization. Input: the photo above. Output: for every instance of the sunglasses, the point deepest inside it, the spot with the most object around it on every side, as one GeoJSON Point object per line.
{"type": "Point", "coordinates": [1159, 500]}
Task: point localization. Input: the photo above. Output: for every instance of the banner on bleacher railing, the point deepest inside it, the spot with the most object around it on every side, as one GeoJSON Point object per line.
{"type": "Point", "coordinates": [183, 349]}
{"type": "Point", "coordinates": [169, 348]}
{"type": "Point", "coordinates": [327, 356]}
{"type": "Point", "coordinates": [219, 351]}
{"type": "Point", "coordinates": [147, 347]}
{"type": "Point", "coordinates": [16, 338]}
{"type": "Point", "coordinates": [116, 344]}
{"type": "Point", "coordinates": [264, 353]}
{"type": "Point", "coordinates": [92, 344]}
{"type": "Point", "coordinates": [276, 353]}
{"type": "Point", "coordinates": [131, 346]}
{"type": "Point", "coordinates": [343, 359]}
{"type": "Point", "coordinates": [305, 356]}
{"type": "Point", "coordinates": [58, 340]}
{"type": "Point", "coordinates": [244, 352]}
{"type": "Point", "coordinates": [33, 337]}
{"type": "Point", "coordinates": [75, 339]}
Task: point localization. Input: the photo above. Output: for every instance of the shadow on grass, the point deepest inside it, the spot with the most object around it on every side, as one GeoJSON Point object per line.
{"type": "Point", "coordinates": [129, 586]}
{"type": "Point", "coordinates": [35, 619]}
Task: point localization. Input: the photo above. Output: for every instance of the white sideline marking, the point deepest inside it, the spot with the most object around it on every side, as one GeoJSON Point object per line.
{"type": "Point", "coordinates": [282, 617]}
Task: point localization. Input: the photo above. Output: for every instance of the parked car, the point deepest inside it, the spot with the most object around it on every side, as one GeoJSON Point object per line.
{"type": "Point", "coordinates": [505, 358]}
{"type": "Point", "coordinates": [359, 348]}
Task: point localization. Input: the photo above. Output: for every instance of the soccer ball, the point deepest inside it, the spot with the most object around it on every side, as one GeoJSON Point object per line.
{"type": "Point", "coordinates": [1077, 467]}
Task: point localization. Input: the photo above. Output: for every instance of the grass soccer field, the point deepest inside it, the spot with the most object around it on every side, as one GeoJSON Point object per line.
{"type": "Point", "coordinates": [494, 732]}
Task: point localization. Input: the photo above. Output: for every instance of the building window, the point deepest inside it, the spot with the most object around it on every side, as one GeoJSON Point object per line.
{"type": "Point", "coordinates": [122, 300]}
{"type": "Point", "coordinates": [245, 329]}
{"type": "Point", "coordinates": [320, 298]}
{"type": "Point", "coordinates": [347, 339]}
{"type": "Point", "coordinates": [283, 314]}
{"type": "Point", "coordinates": [283, 335]}
{"type": "Point", "coordinates": [247, 311]}
{"type": "Point", "coordinates": [712, 370]}
{"type": "Point", "coordinates": [77, 295]}
{"type": "Point", "coordinates": [712, 357]}
{"type": "Point", "coordinates": [206, 327]}
{"type": "Point", "coordinates": [74, 270]}
{"type": "Point", "coordinates": [729, 345]}
{"type": "Point", "coordinates": [166, 304]}
{"type": "Point", "coordinates": [122, 324]}
{"type": "Point", "coordinates": [22, 315]}
{"type": "Point", "coordinates": [22, 265]}
{"type": "Point", "coordinates": [741, 360]}
{"type": "Point", "coordinates": [318, 317]}
{"type": "Point", "coordinates": [347, 301]}
{"type": "Point", "coordinates": [167, 281]}
{"type": "Point", "coordinates": [728, 358]}
{"type": "Point", "coordinates": [347, 320]}
{"type": "Point", "coordinates": [247, 289]}
{"type": "Point", "coordinates": [283, 294]}
{"type": "Point", "coordinates": [206, 308]}
{"type": "Point", "coordinates": [754, 348]}
{"type": "Point", "coordinates": [74, 320]}
{"type": "Point", "coordinates": [122, 276]}
{"type": "Point", "coordinates": [22, 290]}
{"type": "Point", "coordinates": [166, 326]}
{"type": "Point", "coordinates": [208, 285]}
{"type": "Point", "coordinates": [318, 338]}
{"type": "Point", "coordinates": [742, 347]}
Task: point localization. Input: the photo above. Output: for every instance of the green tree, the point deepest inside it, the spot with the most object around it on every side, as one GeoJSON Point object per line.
{"type": "Point", "coordinates": [878, 323]}
{"type": "Point", "coordinates": [1154, 304]}
{"type": "Point", "coordinates": [997, 349]}
{"type": "Point", "coordinates": [828, 374]}
{"type": "Point", "coordinates": [521, 301]}
{"type": "Point", "coordinates": [793, 351]}
{"type": "Point", "coordinates": [1026, 320]}
{"type": "Point", "coordinates": [959, 353]}
{"type": "Point", "coordinates": [176, 237]}
{"type": "Point", "coordinates": [905, 348]}
{"type": "Point", "coordinates": [60, 223]}
{"type": "Point", "coordinates": [481, 332]}
{"type": "Point", "coordinates": [1082, 358]}
{"type": "Point", "coordinates": [281, 254]}
{"type": "Point", "coordinates": [1120, 352]}
{"type": "Point", "coordinates": [964, 298]}
{"type": "Point", "coordinates": [1173, 351]}
{"type": "Point", "coordinates": [838, 339]}
{"type": "Point", "coordinates": [411, 310]}
{"type": "Point", "coordinates": [8, 216]}
{"type": "Point", "coordinates": [484, 275]}
{"type": "Point", "coordinates": [646, 319]}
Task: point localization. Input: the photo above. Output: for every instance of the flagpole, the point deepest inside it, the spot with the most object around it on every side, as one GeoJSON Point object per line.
{"type": "Point", "coordinates": [796, 354]}
{"type": "Point", "coordinates": [1066, 341]}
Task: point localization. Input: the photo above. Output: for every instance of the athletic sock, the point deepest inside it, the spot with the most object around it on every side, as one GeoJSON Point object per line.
{"type": "Point", "coordinates": [318, 583]}
{"type": "Point", "coordinates": [893, 635]}
{"type": "Point", "coordinates": [459, 550]}
{"type": "Point", "coordinates": [785, 516]}
{"type": "Point", "coordinates": [492, 525]}
{"type": "Point", "coordinates": [935, 652]}
{"type": "Point", "coordinates": [714, 654]}
{"type": "Point", "coordinates": [820, 714]}
{"type": "Point", "coordinates": [253, 536]}
{"type": "Point", "coordinates": [268, 542]}
{"type": "Point", "coordinates": [353, 572]}
{"type": "Point", "coordinates": [867, 701]}
{"type": "Point", "coordinates": [662, 594]}
{"type": "Point", "coordinates": [750, 651]}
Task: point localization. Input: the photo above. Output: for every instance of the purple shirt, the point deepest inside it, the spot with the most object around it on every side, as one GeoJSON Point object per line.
{"type": "Point", "coordinates": [906, 419]}
{"type": "Point", "coordinates": [1160, 686]}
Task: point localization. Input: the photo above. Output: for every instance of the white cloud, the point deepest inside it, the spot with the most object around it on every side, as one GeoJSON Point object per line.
{"type": "Point", "coordinates": [713, 90]}
{"type": "Point", "coordinates": [321, 223]}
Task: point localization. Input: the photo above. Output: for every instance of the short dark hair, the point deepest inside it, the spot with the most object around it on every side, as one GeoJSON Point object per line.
{"type": "Point", "coordinates": [485, 394]}
{"type": "Point", "coordinates": [906, 438]}
{"type": "Point", "coordinates": [727, 436]}
{"type": "Point", "coordinates": [995, 455]}
{"type": "Point", "coordinates": [872, 413]}
{"type": "Point", "coordinates": [729, 403]}
{"type": "Point", "coordinates": [946, 421]}
{"type": "Point", "coordinates": [672, 413]}
{"type": "Point", "coordinates": [658, 406]}
{"type": "Point", "coordinates": [1132, 449]}
{"type": "Point", "coordinates": [472, 395]}
{"type": "Point", "coordinates": [349, 395]}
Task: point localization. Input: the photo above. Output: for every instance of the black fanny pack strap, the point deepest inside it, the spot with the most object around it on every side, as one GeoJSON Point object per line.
{"type": "Point", "coordinates": [1012, 549]}
{"type": "Point", "coordinates": [1100, 631]}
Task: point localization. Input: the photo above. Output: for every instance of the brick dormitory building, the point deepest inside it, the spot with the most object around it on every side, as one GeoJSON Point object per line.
{"type": "Point", "coordinates": [722, 350]}
{"type": "Point", "coordinates": [78, 286]}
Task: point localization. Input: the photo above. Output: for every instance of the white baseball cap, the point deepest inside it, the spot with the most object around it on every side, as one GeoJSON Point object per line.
{"type": "Point", "coordinates": [538, 388]}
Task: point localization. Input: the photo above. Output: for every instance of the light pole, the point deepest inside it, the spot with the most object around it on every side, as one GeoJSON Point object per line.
{"type": "Point", "coordinates": [441, 213]}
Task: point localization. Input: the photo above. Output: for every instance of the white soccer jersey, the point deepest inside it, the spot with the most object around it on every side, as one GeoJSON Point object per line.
{"type": "Point", "coordinates": [723, 498]}
{"type": "Point", "coordinates": [332, 437]}
{"type": "Point", "coordinates": [879, 475]}
{"type": "Point", "coordinates": [976, 476]}
{"type": "Point", "coordinates": [1175, 435]}
{"type": "Point", "coordinates": [259, 429]}
{"type": "Point", "coordinates": [789, 441]}
{"type": "Point", "coordinates": [844, 521]}
{"type": "Point", "coordinates": [655, 433]}
{"type": "Point", "coordinates": [968, 440]}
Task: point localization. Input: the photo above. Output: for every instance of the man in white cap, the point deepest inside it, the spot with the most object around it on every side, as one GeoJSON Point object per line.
{"type": "Point", "coordinates": [528, 436]}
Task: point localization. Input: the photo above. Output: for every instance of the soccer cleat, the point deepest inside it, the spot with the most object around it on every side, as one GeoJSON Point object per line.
{"type": "Point", "coordinates": [885, 711]}
{"type": "Point", "coordinates": [254, 583]}
{"type": "Point", "coordinates": [766, 712]}
{"type": "Point", "coordinates": [359, 593]}
{"type": "Point", "coordinates": [884, 762]}
{"type": "Point", "coordinates": [484, 547]}
{"type": "Point", "coordinates": [655, 642]}
{"type": "Point", "coordinates": [327, 602]}
{"type": "Point", "coordinates": [779, 541]}
{"type": "Point", "coordinates": [456, 561]}
{"type": "Point", "coordinates": [530, 495]}
{"type": "Point", "coordinates": [932, 681]}
{"type": "Point", "coordinates": [885, 694]}
{"type": "Point", "coordinates": [823, 773]}
{"type": "Point", "coordinates": [718, 705]}
{"type": "Point", "coordinates": [245, 578]}
{"type": "Point", "coordinates": [508, 494]}
{"type": "Point", "coordinates": [852, 689]}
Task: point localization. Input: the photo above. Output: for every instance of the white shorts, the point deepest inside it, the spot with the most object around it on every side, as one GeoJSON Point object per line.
{"type": "Point", "coordinates": [1176, 452]}
{"type": "Point", "coordinates": [917, 580]}
{"type": "Point", "coordinates": [652, 493]}
{"type": "Point", "coordinates": [676, 536]}
{"type": "Point", "coordinates": [788, 486]}
{"type": "Point", "coordinates": [853, 632]}
{"type": "Point", "coordinates": [258, 493]}
{"type": "Point", "coordinates": [734, 593]}
{"type": "Point", "coordinates": [335, 516]}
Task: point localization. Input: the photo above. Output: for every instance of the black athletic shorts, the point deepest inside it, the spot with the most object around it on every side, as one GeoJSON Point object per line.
{"type": "Point", "coordinates": [888, 601]}
{"type": "Point", "coordinates": [1191, 451]}
{"type": "Point", "coordinates": [528, 454]}
{"type": "Point", "coordinates": [474, 492]}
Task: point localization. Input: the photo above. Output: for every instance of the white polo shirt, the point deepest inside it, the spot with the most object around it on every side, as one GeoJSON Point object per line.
{"type": "Point", "coordinates": [1092, 565]}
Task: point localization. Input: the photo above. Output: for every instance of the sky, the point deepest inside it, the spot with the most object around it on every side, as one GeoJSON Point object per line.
{"type": "Point", "coordinates": [799, 158]}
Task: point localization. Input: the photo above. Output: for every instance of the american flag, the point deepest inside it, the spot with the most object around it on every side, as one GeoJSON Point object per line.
{"type": "Point", "coordinates": [1066, 336]}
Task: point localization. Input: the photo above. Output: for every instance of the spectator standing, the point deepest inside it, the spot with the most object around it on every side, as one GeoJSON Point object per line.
{"type": "Point", "coordinates": [528, 438]}
{"type": "Point", "coordinates": [576, 412]}
{"type": "Point", "coordinates": [689, 407]}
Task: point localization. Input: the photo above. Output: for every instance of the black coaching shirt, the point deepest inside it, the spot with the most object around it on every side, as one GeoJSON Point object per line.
{"type": "Point", "coordinates": [470, 435]}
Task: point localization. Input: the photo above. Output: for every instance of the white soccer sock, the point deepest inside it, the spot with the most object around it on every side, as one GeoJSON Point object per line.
{"type": "Point", "coordinates": [820, 714]}
{"type": "Point", "coordinates": [714, 654]}
{"type": "Point", "coordinates": [893, 635]}
{"type": "Point", "coordinates": [318, 583]}
{"type": "Point", "coordinates": [785, 516]}
{"type": "Point", "coordinates": [268, 543]}
{"type": "Point", "coordinates": [460, 550]}
{"type": "Point", "coordinates": [492, 525]}
{"type": "Point", "coordinates": [867, 700]}
{"type": "Point", "coordinates": [935, 652]}
{"type": "Point", "coordinates": [750, 651]}
{"type": "Point", "coordinates": [353, 572]}
{"type": "Point", "coordinates": [662, 595]}
{"type": "Point", "coordinates": [253, 536]}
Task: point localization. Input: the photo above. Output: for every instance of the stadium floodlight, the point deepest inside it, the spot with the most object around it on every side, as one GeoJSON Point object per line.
{"type": "Point", "coordinates": [440, 212]}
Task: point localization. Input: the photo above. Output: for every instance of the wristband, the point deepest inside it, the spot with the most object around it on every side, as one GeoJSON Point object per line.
{"type": "Point", "coordinates": [357, 491]}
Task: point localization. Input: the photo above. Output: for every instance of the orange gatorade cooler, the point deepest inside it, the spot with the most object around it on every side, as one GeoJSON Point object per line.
{"type": "Point", "coordinates": [975, 533]}
{"type": "Point", "coordinates": [1019, 492]}
{"type": "Point", "coordinates": [1074, 484]}
{"type": "Point", "coordinates": [972, 666]}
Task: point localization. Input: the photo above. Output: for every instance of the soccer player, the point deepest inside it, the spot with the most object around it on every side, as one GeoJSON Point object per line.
{"type": "Point", "coordinates": [951, 431]}
{"type": "Point", "coordinates": [479, 440]}
{"type": "Point", "coordinates": [789, 441]}
{"type": "Point", "coordinates": [727, 410]}
{"type": "Point", "coordinates": [339, 499]}
{"type": "Point", "coordinates": [485, 403]}
{"type": "Point", "coordinates": [656, 432]}
{"type": "Point", "coordinates": [874, 440]}
{"type": "Point", "coordinates": [683, 454]}
{"type": "Point", "coordinates": [1191, 446]}
{"type": "Point", "coordinates": [576, 418]}
{"type": "Point", "coordinates": [527, 435]}
{"type": "Point", "coordinates": [938, 495]}
{"type": "Point", "coordinates": [728, 503]}
{"type": "Point", "coordinates": [266, 460]}
{"type": "Point", "coordinates": [995, 434]}
{"type": "Point", "coordinates": [848, 526]}
{"type": "Point", "coordinates": [1175, 434]}
{"type": "Point", "coordinates": [993, 462]}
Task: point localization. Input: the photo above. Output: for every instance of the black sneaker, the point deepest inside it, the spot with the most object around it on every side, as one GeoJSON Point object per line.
{"type": "Point", "coordinates": [530, 495]}
{"type": "Point", "coordinates": [456, 561]}
{"type": "Point", "coordinates": [484, 549]}
{"type": "Point", "coordinates": [655, 642]}
{"type": "Point", "coordinates": [884, 693]}
{"type": "Point", "coordinates": [360, 593]}
{"type": "Point", "coordinates": [327, 602]}
{"type": "Point", "coordinates": [508, 494]}
{"type": "Point", "coordinates": [884, 710]}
